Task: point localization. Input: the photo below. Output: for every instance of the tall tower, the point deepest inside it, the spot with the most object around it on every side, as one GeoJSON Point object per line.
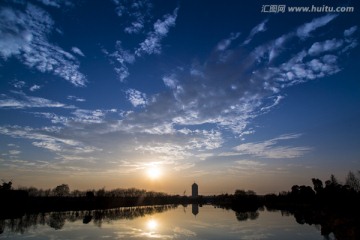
{"type": "Point", "coordinates": [194, 190]}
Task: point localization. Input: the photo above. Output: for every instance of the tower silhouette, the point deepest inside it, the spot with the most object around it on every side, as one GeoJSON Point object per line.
{"type": "Point", "coordinates": [194, 190]}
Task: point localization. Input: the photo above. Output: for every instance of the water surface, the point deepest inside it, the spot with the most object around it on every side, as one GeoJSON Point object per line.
{"type": "Point", "coordinates": [159, 222]}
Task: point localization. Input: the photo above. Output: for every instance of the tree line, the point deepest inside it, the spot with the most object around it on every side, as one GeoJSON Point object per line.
{"type": "Point", "coordinates": [332, 205]}
{"type": "Point", "coordinates": [63, 190]}
{"type": "Point", "coordinates": [332, 191]}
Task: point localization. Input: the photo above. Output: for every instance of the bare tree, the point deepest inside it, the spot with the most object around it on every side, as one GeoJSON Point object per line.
{"type": "Point", "coordinates": [353, 181]}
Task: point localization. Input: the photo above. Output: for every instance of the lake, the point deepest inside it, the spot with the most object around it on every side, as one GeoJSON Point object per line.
{"type": "Point", "coordinates": [159, 222]}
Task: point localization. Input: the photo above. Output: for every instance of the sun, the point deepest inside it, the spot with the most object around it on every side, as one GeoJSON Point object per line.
{"type": "Point", "coordinates": [154, 172]}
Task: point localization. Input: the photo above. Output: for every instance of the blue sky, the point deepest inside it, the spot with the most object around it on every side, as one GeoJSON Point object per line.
{"type": "Point", "coordinates": [95, 93]}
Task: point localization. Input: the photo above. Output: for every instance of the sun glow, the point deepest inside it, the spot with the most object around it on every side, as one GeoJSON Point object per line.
{"type": "Point", "coordinates": [154, 172]}
{"type": "Point", "coordinates": [152, 224]}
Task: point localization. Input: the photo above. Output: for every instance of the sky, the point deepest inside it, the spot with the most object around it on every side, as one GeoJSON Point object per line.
{"type": "Point", "coordinates": [160, 94]}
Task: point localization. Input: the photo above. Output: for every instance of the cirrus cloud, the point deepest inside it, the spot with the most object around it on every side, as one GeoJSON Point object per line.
{"type": "Point", "coordinates": [24, 35]}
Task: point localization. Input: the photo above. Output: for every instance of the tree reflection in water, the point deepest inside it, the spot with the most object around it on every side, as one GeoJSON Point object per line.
{"type": "Point", "coordinates": [243, 216]}
{"type": "Point", "coordinates": [57, 220]}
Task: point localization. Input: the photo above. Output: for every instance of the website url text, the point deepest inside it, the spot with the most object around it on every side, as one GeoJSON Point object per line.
{"type": "Point", "coordinates": [308, 9]}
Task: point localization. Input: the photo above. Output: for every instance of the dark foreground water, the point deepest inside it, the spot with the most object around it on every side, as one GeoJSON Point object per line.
{"type": "Point", "coordinates": [159, 222]}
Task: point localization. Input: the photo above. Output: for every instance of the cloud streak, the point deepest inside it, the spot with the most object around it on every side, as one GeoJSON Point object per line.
{"type": "Point", "coordinates": [275, 47]}
{"type": "Point", "coordinates": [20, 100]}
{"type": "Point", "coordinates": [270, 148]}
{"type": "Point", "coordinates": [261, 27]}
{"type": "Point", "coordinates": [77, 51]}
{"type": "Point", "coordinates": [305, 30]}
{"type": "Point", "coordinates": [225, 43]}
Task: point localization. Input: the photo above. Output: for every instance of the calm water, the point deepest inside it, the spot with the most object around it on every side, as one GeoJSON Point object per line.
{"type": "Point", "coordinates": [191, 222]}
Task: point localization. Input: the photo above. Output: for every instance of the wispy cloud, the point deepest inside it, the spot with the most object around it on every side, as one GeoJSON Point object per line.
{"type": "Point", "coordinates": [77, 51]}
{"type": "Point", "coordinates": [201, 108]}
{"type": "Point", "coordinates": [276, 101]}
{"type": "Point", "coordinates": [225, 43]}
{"type": "Point", "coordinates": [349, 32]}
{"type": "Point", "coordinates": [261, 27]}
{"type": "Point", "coordinates": [44, 138]}
{"type": "Point", "coordinates": [138, 11]}
{"type": "Point", "coordinates": [24, 36]}
{"type": "Point", "coordinates": [271, 149]}
{"type": "Point", "coordinates": [34, 88]}
{"type": "Point", "coordinates": [230, 106]}
{"type": "Point", "coordinates": [21, 100]}
{"type": "Point", "coordinates": [122, 57]}
{"type": "Point", "coordinates": [167, 150]}
{"type": "Point", "coordinates": [79, 118]}
{"type": "Point", "coordinates": [247, 165]}
{"type": "Point", "coordinates": [206, 140]}
{"type": "Point", "coordinates": [136, 97]}
{"type": "Point", "coordinates": [12, 145]}
{"type": "Point", "coordinates": [326, 46]}
{"type": "Point", "coordinates": [19, 84]}
{"type": "Point", "coordinates": [184, 232]}
{"type": "Point", "coordinates": [135, 26]}
{"type": "Point", "coordinates": [170, 81]}
{"type": "Point", "coordinates": [55, 3]}
{"type": "Point", "coordinates": [272, 49]}
{"type": "Point", "coordinates": [90, 116]}
{"type": "Point", "coordinates": [305, 30]}
{"type": "Point", "coordinates": [14, 152]}
{"type": "Point", "coordinates": [242, 96]}
{"type": "Point", "coordinates": [77, 99]}
{"type": "Point", "coordinates": [249, 87]}
{"type": "Point", "coordinates": [152, 44]}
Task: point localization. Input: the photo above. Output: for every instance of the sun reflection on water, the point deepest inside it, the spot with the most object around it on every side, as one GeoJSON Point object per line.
{"type": "Point", "coordinates": [152, 224]}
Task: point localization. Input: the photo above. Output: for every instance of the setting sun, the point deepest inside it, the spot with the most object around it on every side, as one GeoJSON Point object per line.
{"type": "Point", "coordinates": [154, 172]}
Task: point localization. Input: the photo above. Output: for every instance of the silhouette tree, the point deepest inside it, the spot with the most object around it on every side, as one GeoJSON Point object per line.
{"type": "Point", "coordinates": [90, 194]}
{"type": "Point", "coordinates": [6, 185]}
{"type": "Point", "coordinates": [77, 193]}
{"type": "Point", "coordinates": [295, 189]}
{"type": "Point", "coordinates": [333, 180]}
{"type": "Point", "coordinates": [101, 192]}
{"type": "Point", "coordinates": [240, 192]}
{"type": "Point", "coordinates": [302, 193]}
{"type": "Point", "coordinates": [318, 185]}
{"type": "Point", "coordinates": [61, 190]}
{"type": "Point", "coordinates": [352, 181]}
{"type": "Point", "coordinates": [250, 193]}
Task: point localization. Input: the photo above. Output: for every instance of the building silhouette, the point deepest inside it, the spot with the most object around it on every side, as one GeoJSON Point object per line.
{"type": "Point", "coordinates": [195, 209]}
{"type": "Point", "coordinates": [194, 190]}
